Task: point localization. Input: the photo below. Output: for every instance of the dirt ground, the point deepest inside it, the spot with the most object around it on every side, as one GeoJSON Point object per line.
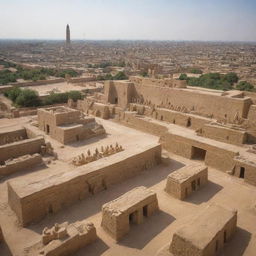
{"type": "Point", "coordinates": [156, 232]}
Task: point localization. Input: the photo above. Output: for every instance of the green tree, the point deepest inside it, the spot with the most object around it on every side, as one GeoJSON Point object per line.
{"type": "Point", "coordinates": [75, 95]}
{"type": "Point", "coordinates": [183, 77]}
{"type": "Point", "coordinates": [120, 76]}
{"type": "Point", "coordinates": [196, 71]}
{"type": "Point", "coordinates": [245, 86]}
{"type": "Point", "coordinates": [28, 98]}
{"type": "Point", "coordinates": [13, 93]}
{"type": "Point", "coordinates": [231, 78]}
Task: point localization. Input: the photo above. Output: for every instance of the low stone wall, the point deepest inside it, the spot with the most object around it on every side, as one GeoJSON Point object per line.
{"type": "Point", "coordinates": [94, 108]}
{"type": "Point", "coordinates": [31, 203]}
{"type": "Point", "coordinates": [19, 164]}
{"type": "Point", "coordinates": [131, 119]}
{"type": "Point", "coordinates": [40, 82]}
{"type": "Point", "coordinates": [225, 134]}
{"type": "Point", "coordinates": [75, 237]}
{"type": "Point", "coordinates": [12, 135]}
{"type": "Point", "coordinates": [175, 117]}
{"type": "Point", "coordinates": [82, 79]}
{"type": "Point", "coordinates": [21, 148]}
{"type": "Point", "coordinates": [214, 156]}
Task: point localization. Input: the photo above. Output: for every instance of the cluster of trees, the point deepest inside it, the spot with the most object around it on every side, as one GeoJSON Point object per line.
{"type": "Point", "coordinates": [119, 76]}
{"type": "Point", "coordinates": [245, 86]}
{"type": "Point", "coordinates": [30, 98]}
{"type": "Point", "coordinates": [7, 64]}
{"type": "Point", "coordinates": [217, 81]}
{"type": "Point", "coordinates": [196, 71]}
{"type": "Point", "coordinates": [144, 73]}
{"type": "Point", "coordinates": [6, 76]}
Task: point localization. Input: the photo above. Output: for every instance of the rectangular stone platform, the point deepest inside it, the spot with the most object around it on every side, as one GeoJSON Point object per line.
{"type": "Point", "coordinates": [32, 200]}
{"type": "Point", "coordinates": [130, 208]}
{"type": "Point", "coordinates": [186, 180]}
{"type": "Point", "coordinates": [206, 234]}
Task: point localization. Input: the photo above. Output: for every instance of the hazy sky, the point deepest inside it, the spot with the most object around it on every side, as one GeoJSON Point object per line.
{"type": "Point", "coordinates": [129, 19]}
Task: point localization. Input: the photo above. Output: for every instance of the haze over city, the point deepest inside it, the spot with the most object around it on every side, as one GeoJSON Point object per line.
{"type": "Point", "coordinates": [218, 20]}
{"type": "Point", "coordinates": [127, 127]}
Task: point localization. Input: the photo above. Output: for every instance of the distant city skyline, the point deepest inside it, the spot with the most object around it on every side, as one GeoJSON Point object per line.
{"type": "Point", "coordinates": [188, 20]}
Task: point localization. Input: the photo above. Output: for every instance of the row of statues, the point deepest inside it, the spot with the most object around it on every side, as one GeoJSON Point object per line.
{"type": "Point", "coordinates": [104, 152]}
{"type": "Point", "coordinates": [7, 139]}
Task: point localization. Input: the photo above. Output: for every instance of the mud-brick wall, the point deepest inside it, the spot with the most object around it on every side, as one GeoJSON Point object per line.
{"type": "Point", "coordinates": [12, 135]}
{"type": "Point", "coordinates": [216, 157]}
{"type": "Point", "coordinates": [67, 117]}
{"type": "Point", "coordinates": [70, 187]}
{"type": "Point", "coordinates": [72, 244]}
{"type": "Point", "coordinates": [252, 124]}
{"type": "Point", "coordinates": [118, 92]}
{"type": "Point", "coordinates": [130, 119]}
{"type": "Point", "coordinates": [202, 103]}
{"type": "Point", "coordinates": [232, 136]}
{"type": "Point", "coordinates": [249, 170]}
{"type": "Point", "coordinates": [183, 119]}
{"type": "Point", "coordinates": [20, 148]}
{"type": "Point", "coordinates": [20, 164]}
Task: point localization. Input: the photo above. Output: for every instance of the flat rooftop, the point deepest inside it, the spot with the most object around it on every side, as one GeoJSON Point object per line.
{"type": "Point", "coordinates": [186, 172]}
{"type": "Point", "coordinates": [128, 200]}
{"type": "Point", "coordinates": [201, 230]}
{"type": "Point", "coordinates": [24, 188]}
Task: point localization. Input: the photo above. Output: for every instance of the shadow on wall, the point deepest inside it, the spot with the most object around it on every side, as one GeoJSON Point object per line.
{"type": "Point", "coordinates": [4, 250]}
{"type": "Point", "coordinates": [204, 194]}
{"type": "Point", "coordinates": [97, 248]}
{"type": "Point", "coordinates": [93, 204]}
{"type": "Point", "coordinates": [238, 244]}
{"type": "Point", "coordinates": [142, 234]}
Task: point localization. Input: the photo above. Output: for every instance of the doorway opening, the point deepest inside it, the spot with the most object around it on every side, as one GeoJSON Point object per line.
{"type": "Point", "coordinates": [189, 122]}
{"type": "Point", "coordinates": [193, 185]}
{"type": "Point", "coordinates": [217, 246]}
{"type": "Point", "coordinates": [133, 218]}
{"type": "Point", "coordinates": [225, 236]}
{"type": "Point", "coordinates": [47, 129]}
{"type": "Point", "coordinates": [145, 211]}
{"type": "Point", "coordinates": [50, 210]}
{"type": "Point", "coordinates": [242, 171]}
{"type": "Point", "coordinates": [198, 182]}
{"type": "Point", "coordinates": [198, 153]}
{"type": "Point", "coordinates": [186, 192]}
{"type": "Point", "coordinates": [116, 100]}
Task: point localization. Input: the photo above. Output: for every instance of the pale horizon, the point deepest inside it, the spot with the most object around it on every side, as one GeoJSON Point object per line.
{"type": "Point", "coordinates": [200, 20]}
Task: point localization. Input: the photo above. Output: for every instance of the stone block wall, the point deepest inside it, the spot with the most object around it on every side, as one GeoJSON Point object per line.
{"type": "Point", "coordinates": [220, 233]}
{"type": "Point", "coordinates": [225, 134]}
{"type": "Point", "coordinates": [20, 148]}
{"type": "Point", "coordinates": [19, 164]}
{"type": "Point", "coordinates": [70, 187]}
{"type": "Point", "coordinates": [132, 208]}
{"type": "Point", "coordinates": [183, 189]}
{"type": "Point", "coordinates": [79, 235]}
{"type": "Point", "coordinates": [12, 135]}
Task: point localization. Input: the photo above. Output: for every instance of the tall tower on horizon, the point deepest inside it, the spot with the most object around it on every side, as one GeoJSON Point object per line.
{"type": "Point", "coordinates": [67, 35]}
